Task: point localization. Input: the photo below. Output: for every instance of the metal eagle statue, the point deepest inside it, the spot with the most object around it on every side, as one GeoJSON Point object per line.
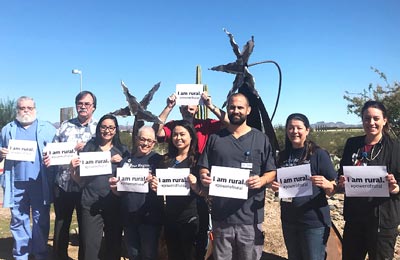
{"type": "Point", "coordinates": [244, 83]}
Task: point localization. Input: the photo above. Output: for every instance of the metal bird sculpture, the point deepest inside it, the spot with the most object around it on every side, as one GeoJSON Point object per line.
{"type": "Point", "coordinates": [244, 83]}
{"type": "Point", "coordinates": [138, 109]}
{"type": "Point", "coordinates": [240, 66]}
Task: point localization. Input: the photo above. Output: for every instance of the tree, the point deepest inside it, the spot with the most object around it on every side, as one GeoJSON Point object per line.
{"type": "Point", "coordinates": [7, 111]}
{"type": "Point", "coordinates": [388, 94]}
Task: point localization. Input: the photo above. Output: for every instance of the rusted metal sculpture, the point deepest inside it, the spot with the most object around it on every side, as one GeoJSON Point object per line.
{"type": "Point", "coordinates": [138, 109]}
{"type": "Point", "coordinates": [244, 83]}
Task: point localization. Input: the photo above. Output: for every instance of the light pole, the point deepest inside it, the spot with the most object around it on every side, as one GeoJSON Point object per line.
{"type": "Point", "coordinates": [75, 71]}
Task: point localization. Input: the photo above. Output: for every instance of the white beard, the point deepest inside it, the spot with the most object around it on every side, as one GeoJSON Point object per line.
{"type": "Point", "coordinates": [25, 119]}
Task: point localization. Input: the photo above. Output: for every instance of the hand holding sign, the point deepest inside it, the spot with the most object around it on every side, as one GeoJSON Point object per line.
{"type": "Point", "coordinates": [21, 150]}
{"type": "Point", "coordinates": [133, 179]}
{"type": "Point", "coordinates": [294, 181]}
{"type": "Point", "coordinates": [254, 182]}
{"type": "Point", "coordinates": [173, 181]}
{"type": "Point", "coordinates": [188, 94]}
{"type": "Point", "coordinates": [60, 153]}
{"type": "Point", "coordinates": [393, 186]}
{"type": "Point", "coordinates": [366, 181]}
{"type": "Point", "coordinates": [229, 182]}
{"type": "Point", "coordinates": [95, 163]}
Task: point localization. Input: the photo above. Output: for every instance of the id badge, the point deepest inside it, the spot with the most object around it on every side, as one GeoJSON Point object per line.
{"type": "Point", "coordinates": [246, 165]}
{"type": "Point", "coordinates": [287, 200]}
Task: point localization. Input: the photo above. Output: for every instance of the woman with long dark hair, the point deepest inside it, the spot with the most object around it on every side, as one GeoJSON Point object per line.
{"type": "Point", "coordinates": [306, 220]}
{"type": "Point", "coordinates": [371, 222]}
{"type": "Point", "coordinates": [181, 218]}
{"type": "Point", "coordinates": [100, 207]}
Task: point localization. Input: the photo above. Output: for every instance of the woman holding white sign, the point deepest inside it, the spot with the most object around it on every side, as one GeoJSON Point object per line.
{"type": "Point", "coordinates": [306, 220]}
{"type": "Point", "coordinates": [371, 222]}
{"type": "Point", "coordinates": [181, 218]}
{"type": "Point", "coordinates": [141, 210]}
{"type": "Point", "coordinates": [100, 206]}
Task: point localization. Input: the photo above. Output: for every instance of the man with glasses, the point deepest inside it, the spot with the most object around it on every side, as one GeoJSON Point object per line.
{"type": "Point", "coordinates": [67, 193]}
{"type": "Point", "coordinates": [141, 211]}
{"type": "Point", "coordinates": [26, 182]}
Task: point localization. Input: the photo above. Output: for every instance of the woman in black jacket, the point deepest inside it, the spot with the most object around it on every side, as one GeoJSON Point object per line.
{"type": "Point", "coordinates": [371, 222]}
{"type": "Point", "coordinates": [100, 206]}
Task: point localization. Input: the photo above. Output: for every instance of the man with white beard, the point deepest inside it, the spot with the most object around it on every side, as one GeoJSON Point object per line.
{"type": "Point", "coordinates": [27, 185]}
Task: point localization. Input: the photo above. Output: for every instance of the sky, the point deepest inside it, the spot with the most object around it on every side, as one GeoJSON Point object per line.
{"type": "Point", "coordinates": [323, 48]}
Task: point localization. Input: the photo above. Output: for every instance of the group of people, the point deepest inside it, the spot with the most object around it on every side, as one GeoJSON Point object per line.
{"type": "Point", "coordinates": [105, 212]}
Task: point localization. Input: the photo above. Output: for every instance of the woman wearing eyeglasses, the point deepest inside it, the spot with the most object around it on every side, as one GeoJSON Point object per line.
{"type": "Point", "coordinates": [100, 207]}
{"type": "Point", "coordinates": [371, 222]}
{"type": "Point", "coordinates": [142, 212]}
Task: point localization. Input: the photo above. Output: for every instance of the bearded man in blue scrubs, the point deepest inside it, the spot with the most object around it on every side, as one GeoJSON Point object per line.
{"type": "Point", "coordinates": [27, 184]}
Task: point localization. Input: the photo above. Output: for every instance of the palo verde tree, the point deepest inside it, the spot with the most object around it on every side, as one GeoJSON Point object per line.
{"type": "Point", "coordinates": [7, 111]}
{"type": "Point", "coordinates": [388, 94]}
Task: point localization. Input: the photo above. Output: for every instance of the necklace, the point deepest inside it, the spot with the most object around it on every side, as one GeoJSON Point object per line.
{"type": "Point", "coordinates": [366, 154]}
{"type": "Point", "coordinates": [371, 154]}
{"type": "Point", "coordinates": [296, 156]}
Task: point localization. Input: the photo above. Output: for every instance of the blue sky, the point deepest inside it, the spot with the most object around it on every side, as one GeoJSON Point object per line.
{"type": "Point", "coordinates": [323, 48]}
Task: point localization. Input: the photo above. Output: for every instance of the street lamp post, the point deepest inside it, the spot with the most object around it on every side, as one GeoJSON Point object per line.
{"type": "Point", "coordinates": [75, 71]}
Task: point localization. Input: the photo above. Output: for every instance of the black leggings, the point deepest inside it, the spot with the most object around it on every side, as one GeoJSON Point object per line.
{"type": "Point", "coordinates": [360, 238]}
{"type": "Point", "coordinates": [180, 238]}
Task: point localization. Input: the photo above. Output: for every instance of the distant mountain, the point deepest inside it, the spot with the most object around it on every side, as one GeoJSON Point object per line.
{"type": "Point", "coordinates": [335, 125]}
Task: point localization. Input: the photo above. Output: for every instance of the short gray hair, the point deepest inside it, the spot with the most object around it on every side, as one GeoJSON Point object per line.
{"type": "Point", "coordinates": [146, 128]}
{"type": "Point", "coordinates": [24, 98]}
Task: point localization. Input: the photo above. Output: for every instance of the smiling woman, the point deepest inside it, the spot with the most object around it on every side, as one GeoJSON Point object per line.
{"type": "Point", "coordinates": [371, 222]}
{"type": "Point", "coordinates": [100, 207]}
{"type": "Point", "coordinates": [181, 215]}
{"type": "Point", "coordinates": [306, 219]}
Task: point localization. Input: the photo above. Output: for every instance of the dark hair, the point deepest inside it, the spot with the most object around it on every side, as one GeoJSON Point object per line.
{"type": "Point", "coordinates": [381, 107]}
{"type": "Point", "coordinates": [173, 151]}
{"type": "Point", "coordinates": [84, 93]}
{"type": "Point", "coordinates": [309, 145]}
{"type": "Point", "coordinates": [116, 140]}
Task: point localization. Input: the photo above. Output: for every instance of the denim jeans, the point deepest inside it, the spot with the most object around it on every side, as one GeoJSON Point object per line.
{"type": "Point", "coordinates": [141, 240]}
{"type": "Point", "coordinates": [304, 243]}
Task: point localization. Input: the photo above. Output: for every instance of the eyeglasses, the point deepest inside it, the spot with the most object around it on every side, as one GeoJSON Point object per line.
{"type": "Point", "coordinates": [144, 140]}
{"type": "Point", "coordinates": [109, 128]}
{"type": "Point", "coordinates": [86, 104]}
{"type": "Point", "coordinates": [26, 108]}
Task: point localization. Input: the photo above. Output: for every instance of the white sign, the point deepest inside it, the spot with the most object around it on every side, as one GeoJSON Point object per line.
{"type": "Point", "coordinates": [229, 182]}
{"type": "Point", "coordinates": [173, 181]}
{"type": "Point", "coordinates": [133, 179]}
{"type": "Point", "coordinates": [294, 181]}
{"type": "Point", "coordinates": [60, 153]}
{"type": "Point", "coordinates": [95, 163]}
{"type": "Point", "coordinates": [21, 150]}
{"type": "Point", "coordinates": [366, 181]}
{"type": "Point", "coordinates": [188, 94]}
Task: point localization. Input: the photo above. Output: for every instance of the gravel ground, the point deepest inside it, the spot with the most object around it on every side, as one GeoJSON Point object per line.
{"type": "Point", "coordinates": [272, 225]}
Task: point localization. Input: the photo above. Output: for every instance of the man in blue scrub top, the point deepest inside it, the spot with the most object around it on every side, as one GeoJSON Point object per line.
{"type": "Point", "coordinates": [27, 186]}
